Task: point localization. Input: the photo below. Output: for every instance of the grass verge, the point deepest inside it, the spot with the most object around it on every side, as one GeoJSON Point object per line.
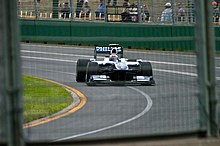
{"type": "Point", "coordinates": [43, 98]}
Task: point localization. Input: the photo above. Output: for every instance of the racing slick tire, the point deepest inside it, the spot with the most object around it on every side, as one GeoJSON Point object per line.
{"type": "Point", "coordinates": [146, 70]}
{"type": "Point", "coordinates": [92, 69]}
{"type": "Point", "coordinates": [81, 67]}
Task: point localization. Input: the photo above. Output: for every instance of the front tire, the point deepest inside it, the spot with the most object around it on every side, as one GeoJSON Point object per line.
{"type": "Point", "coordinates": [81, 67]}
{"type": "Point", "coordinates": [146, 70]}
{"type": "Point", "coordinates": [92, 69]}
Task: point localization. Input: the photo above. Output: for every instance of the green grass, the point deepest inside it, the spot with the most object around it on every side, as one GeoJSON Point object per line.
{"type": "Point", "coordinates": [43, 98]}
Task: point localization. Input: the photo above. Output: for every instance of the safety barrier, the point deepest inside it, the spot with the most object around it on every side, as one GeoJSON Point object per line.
{"type": "Point", "coordinates": [161, 37]}
{"type": "Point", "coordinates": [89, 33]}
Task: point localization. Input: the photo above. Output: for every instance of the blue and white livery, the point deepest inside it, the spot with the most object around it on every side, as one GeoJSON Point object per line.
{"type": "Point", "coordinates": [114, 68]}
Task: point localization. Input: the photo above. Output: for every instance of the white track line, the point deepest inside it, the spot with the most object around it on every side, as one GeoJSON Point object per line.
{"type": "Point", "coordinates": [48, 59]}
{"type": "Point", "coordinates": [175, 72]}
{"type": "Point", "coordinates": [147, 108]}
{"type": "Point", "coordinates": [51, 53]}
{"type": "Point", "coordinates": [47, 70]}
{"type": "Point", "coordinates": [162, 70]}
{"type": "Point", "coordinates": [131, 51]}
{"type": "Point", "coordinates": [73, 55]}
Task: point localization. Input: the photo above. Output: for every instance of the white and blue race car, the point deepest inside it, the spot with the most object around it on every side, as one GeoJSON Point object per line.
{"type": "Point", "coordinates": [113, 69]}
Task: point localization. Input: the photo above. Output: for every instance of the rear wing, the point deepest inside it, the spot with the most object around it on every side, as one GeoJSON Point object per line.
{"type": "Point", "coordinates": [107, 50]}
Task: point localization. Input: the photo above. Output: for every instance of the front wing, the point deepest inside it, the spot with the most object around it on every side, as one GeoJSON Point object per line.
{"type": "Point", "coordinates": [105, 79]}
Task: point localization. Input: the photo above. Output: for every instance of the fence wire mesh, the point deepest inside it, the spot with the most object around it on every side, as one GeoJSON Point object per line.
{"type": "Point", "coordinates": [58, 108]}
{"type": "Point", "coordinates": [142, 11]}
{"type": "Point", "coordinates": [114, 111]}
{"type": "Point", "coordinates": [170, 107]}
{"type": "Point", "coordinates": [217, 66]}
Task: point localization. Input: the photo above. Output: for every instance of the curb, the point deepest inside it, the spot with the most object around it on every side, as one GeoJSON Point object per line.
{"type": "Point", "coordinates": [78, 102]}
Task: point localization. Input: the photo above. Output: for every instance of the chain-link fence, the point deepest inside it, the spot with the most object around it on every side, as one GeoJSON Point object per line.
{"type": "Point", "coordinates": [142, 11]}
{"type": "Point", "coordinates": [58, 107]}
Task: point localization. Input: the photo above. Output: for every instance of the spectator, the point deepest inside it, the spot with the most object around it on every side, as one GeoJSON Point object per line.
{"type": "Point", "coordinates": [216, 11]}
{"type": "Point", "coordinates": [79, 5]}
{"type": "Point", "coordinates": [146, 13]}
{"type": "Point", "coordinates": [167, 14]}
{"type": "Point", "coordinates": [100, 10]}
{"type": "Point", "coordinates": [114, 2]}
{"type": "Point", "coordinates": [85, 9]}
{"type": "Point", "coordinates": [133, 13]}
{"type": "Point", "coordinates": [65, 10]}
{"type": "Point", "coordinates": [125, 5]}
{"type": "Point", "coordinates": [125, 12]}
{"type": "Point", "coordinates": [180, 13]}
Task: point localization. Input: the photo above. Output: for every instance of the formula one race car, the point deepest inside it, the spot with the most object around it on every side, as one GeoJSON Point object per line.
{"type": "Point", "coordinates": [113, 69]}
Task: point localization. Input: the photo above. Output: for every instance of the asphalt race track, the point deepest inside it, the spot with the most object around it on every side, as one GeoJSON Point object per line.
{"type": "Point", "coordinates": [116, 111]}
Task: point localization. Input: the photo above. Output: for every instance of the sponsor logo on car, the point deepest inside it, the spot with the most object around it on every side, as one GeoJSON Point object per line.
{"type": "Point", "coordinates": [107, 49]}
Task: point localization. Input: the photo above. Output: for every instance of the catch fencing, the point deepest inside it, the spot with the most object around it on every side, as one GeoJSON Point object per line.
{"type": "Point", "coordinates": [139, 11]}
{"type": "Point", "coordinates": [184, 101]}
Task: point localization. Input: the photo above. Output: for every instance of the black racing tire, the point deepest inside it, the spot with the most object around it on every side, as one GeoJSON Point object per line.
{"type": "Point", "coordinates": [81, 67]}
{"type": "Point", "coordinates": [92, 69]}
{"type": "Point", "coordinates": [146, 69]}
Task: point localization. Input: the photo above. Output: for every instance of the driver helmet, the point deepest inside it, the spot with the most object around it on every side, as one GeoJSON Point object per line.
{"type": "Point", "coordinates": [114, 53]}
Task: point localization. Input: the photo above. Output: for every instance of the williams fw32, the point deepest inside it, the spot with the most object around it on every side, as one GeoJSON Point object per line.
{"type": "Point", "coordinates": [114, 69]}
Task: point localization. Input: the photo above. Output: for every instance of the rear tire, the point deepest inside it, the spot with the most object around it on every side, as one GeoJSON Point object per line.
{"type": "Point", "coordinates": [81, 67]}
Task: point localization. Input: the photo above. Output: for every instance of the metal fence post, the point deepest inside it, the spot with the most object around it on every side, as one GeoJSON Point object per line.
{"type": "Point", "coordinates": [10, 74]}
{"type": "Point", "coordinates": [55, 9]}
{"type": "Point", "coordinates": [71, 9]}
{"type": "Point", "coordinates": [205, 45]}
{"type": "Point", "coordinates": [36, 9]}
{"type": "Point", "coordinates": [2, 78]}
{"type": "Point", "coordinates": [139, 10]}
{"type": "Point", "coordinates": [173, 11]}
{"type": "Point", "coordinates": [106, 10]}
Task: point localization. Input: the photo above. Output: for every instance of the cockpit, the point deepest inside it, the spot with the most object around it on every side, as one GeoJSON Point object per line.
{"type": "Point", "coordinates": [114, 59]}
